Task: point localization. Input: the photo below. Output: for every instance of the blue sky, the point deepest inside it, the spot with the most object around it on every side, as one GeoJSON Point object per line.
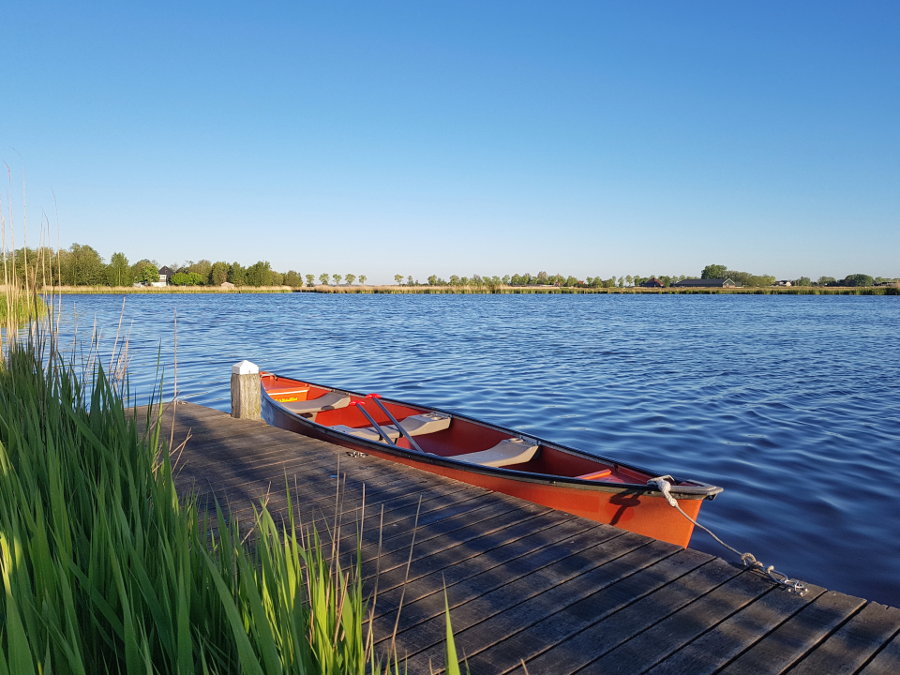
{"type": "Point", "coordinates": [586, 138]}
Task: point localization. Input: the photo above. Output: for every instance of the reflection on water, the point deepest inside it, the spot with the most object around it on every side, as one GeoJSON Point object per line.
{"type": "Point", "coordinates": [789, 402]}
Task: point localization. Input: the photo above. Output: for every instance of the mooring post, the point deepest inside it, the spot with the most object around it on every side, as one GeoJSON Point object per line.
{"type": "Point", "coordinates": [245, 391]}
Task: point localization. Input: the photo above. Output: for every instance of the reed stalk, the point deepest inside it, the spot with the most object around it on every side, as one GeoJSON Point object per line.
{"type": "Point", "coordinates": [104, 568]}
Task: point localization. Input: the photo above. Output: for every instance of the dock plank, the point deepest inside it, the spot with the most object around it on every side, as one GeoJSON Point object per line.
{"type": "Point", "coordinates": [726, 640]}
{"type": "Point", "coordinates": [525, 601]}
{"type": "Point", "coordinates": [526, 585]}
{"type": "Point", "coordinates": [576, 620]}
{"type": "Point", "coordinates": [853, 644]}
{"type": "Point", "coordinates": [887, 660]}
{"type": "Point", "coordinates": [788, 643]}
{"type": "Point", "coordinates": [616, 623]}
{"type": "Point", "coordinates": [647, 648]}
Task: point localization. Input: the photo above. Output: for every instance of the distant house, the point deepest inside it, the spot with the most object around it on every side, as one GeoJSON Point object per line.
{"type": "Point", "coordinates": [784, 282]}
{"type": "Point", "coordinates": [226, 285]}
{"type": "Point", "coordinates": [652, 283]}
{"type": "Point", "coordinates": [165, 277]}
{"type": "Point", "coordinates": [705, 283]}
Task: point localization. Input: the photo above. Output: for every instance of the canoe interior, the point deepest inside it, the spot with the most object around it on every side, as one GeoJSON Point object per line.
{"type": "Point", "coordinates": [462, 437]}
{"type": "Point", "coordinates": [556, 476]}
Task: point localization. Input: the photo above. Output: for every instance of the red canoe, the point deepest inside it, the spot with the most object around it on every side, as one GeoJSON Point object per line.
{"type": "Point", "coordinates": [490, 456]}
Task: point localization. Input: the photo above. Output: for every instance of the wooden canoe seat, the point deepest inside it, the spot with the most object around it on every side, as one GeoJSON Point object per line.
{"type": "Point", "coordinates": [330, 401]}
{"type": "Point", "coordinates": [426, 423]}
{"type": "Point", "coordinates": [506, 452]}
{"type": "Point", "coordinates": [415, 425]}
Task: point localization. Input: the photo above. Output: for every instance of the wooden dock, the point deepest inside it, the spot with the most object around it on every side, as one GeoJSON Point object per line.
{"type": "Point", "coordinates": [529, 588]}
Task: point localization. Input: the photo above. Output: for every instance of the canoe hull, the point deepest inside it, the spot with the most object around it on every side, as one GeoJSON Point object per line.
{"type": "Point", "coordinates": [639, 509]}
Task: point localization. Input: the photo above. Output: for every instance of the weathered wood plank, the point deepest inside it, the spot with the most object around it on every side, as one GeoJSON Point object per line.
{"type": "Point", "coordinates": [726, 640]}
{"type": "Point", "coordinates": [887, 660]}
{"type": "Point", "coordinates": [785, 645]}
{"type": "Point", "coordinates": [498, 563]}
{"type": "Point", "coordinates": [617, 621]}
{"type": "Point", "coordinates": [489, 593]}
{"type": "Point", "coordinates": [525, 601]}
{"type": "Point", "coordinates": [854, 643]}
{"type": "Point", "coordinates": [649, 647]}
{"type": "Point", "coordinates": [427, 606]}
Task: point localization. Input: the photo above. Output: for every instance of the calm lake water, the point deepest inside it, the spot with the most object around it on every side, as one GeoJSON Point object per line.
{"type": "Point", "coordinates": [789, 402]}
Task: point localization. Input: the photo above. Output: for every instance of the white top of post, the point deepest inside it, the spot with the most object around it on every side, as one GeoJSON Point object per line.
{"type": "Point", "coordinates": [244, 368]}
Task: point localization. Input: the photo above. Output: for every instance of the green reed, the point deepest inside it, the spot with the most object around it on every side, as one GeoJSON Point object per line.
{"type": "Point", "coordinates": [105, 569]}
{"type": "Point", "coordinates": [17, 308]}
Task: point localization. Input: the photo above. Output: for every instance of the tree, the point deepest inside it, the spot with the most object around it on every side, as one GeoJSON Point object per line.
{"type": "Point", "coordinates": [148, 273]}
{"type": "Point", "coordinates": [237, 274]}
{"type": "Point", "coordinates": [187, 279]}
{"type": "Point", "coordinates": [432, 280]}
{"type": "Point", "coordinates": [259, 274]}
{"type": "Point", "coordinates": [362, 279]}
{"type": "Point", "coordinates": [292, 279]}
{"type": "Point", "coordinates": [336, 278]}
{"type": "Point", "coordinates": [857, 280]}
{"type": "Point", "coordinates": [218, 273]}
{"type": "Point", "coordinates": [803, 281]}
{"type": "Point", "coordinates": [398, 278]}
{"type": "Point", "coordinates": [747, 279]}
{"type": "Point", "coordinates": [323, 278]}
{"type": "Point", "coordinates": [714, 272]}
{"type": "Point", "coordinates": [35, 267]}
{"type": "Point", "coordinates": [310, 280]}
{"type": "Point", "coordinates": [203, 268]}
{"type": "Point", "coordinates": [83, 266]}
{"type": "Point", "coordinates": [118, 272]}
{"type": "Point", "coordinates": [409, 281]}
{"type": "Point", "coordinates": [349, 278]}
{"type": "Point", "coordinates": [139, 272]}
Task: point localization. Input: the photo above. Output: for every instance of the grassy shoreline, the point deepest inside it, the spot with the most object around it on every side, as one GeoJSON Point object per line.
{"type": "Point", "coordinates": [106, 568]}
{"type": "Point", "coordinates": [478, 290]}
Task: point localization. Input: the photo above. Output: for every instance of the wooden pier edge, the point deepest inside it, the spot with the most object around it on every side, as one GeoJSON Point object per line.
{"type": "Point", "coordinates": [528, 587]}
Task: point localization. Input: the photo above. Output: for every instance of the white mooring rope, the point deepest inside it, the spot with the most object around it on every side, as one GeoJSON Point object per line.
{"type": "Point", "coordinates": [664, 485]}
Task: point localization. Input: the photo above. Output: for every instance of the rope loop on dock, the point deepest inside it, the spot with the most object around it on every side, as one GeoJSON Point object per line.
{"type": "Point", "coordinates": [750, 561]}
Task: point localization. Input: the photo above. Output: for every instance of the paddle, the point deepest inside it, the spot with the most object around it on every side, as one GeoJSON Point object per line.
{"type": "Point", "coordinates": [377, 399]}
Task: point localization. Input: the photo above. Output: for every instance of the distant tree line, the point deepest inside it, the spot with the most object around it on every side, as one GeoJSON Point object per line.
{"type": "Point", "coordinates": [747, 279]}
{"type": "Point", "coordinates": [528, 279]}
{"type": "Point", "coordinates": [81, 265]}
{"type": "Point", "coordinates": [629, 280]}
